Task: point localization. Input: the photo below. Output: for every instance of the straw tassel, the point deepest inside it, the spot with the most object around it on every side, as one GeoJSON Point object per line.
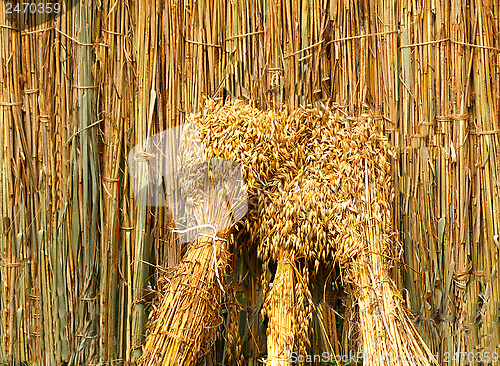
{"type": "Point", "coordinates": [184, 323]}
{"type": "Point", "coordinates": [281, 312]}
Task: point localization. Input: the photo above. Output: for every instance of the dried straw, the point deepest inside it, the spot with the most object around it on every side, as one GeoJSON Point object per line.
{"type": "Point", "coordinates": [325, 194]}
{"type": "Point", "coordinates": [183, 325]}
{"type": "Point", "coordinates": [430, 73]}
{"type": "Point", "coordinates": [280, 308]}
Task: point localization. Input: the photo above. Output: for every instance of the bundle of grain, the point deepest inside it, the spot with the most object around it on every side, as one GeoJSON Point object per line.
{"type": "Point", "coordinates": [184, 322]}
{"type": "Point", "coordinates": [183, 325]}
{"type": "Point", "coordinates": [323, 185]}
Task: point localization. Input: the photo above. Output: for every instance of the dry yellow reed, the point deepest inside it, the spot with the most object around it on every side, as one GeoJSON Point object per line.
{"type": "Point", "coordinates": [441, 93]}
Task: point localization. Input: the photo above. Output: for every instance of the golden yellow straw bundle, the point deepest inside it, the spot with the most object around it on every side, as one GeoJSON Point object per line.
{"type": "Point", "coordinates": [280, 308]}
{"type": "Point", "coordinates": [387, 334]}
{"type": "Point", "coordinates": [323, 185]}
{"type": "Point", "coordinates": [183, 324]}
{"type": "Point", "coordinates": [185, 321]}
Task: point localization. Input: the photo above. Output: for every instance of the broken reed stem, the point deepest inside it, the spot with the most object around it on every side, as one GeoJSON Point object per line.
{"type": "Point", "coordinates": [183, 325]}
{"type": "Point", "coordinates": [281, 313]}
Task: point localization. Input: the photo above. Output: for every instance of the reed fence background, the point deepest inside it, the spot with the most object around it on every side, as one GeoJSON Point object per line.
{"type": "Point", "coordinates": [78, 255]}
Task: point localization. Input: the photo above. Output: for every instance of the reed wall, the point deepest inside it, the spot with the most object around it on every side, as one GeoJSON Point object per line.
{"type": "Point", "coordinates": [77, 93]}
